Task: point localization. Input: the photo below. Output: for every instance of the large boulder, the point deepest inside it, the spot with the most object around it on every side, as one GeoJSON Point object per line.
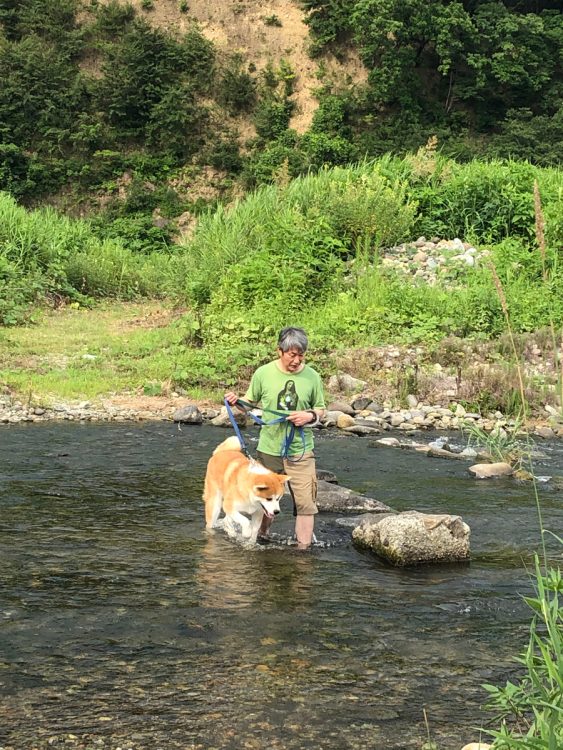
{"type": "Point", "coordinates": [411, 538]}
{"type": "Point", "coordinates": [340, 406]}
{"type": "Point", "coordinates": [333, 498]}
{"type": "Point", "coordinates": [346, 383]}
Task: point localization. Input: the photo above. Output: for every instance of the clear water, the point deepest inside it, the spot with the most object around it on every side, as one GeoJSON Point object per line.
{"type": "Point", "coordinates": [124, 625]}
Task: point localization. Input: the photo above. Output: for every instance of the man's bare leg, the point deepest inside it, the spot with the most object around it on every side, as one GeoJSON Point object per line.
{"type": "Point", "coordinates": [304, 526]}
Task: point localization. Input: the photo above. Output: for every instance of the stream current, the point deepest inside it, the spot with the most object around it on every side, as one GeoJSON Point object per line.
{"type": "Point", "coordinates": [124, 625]}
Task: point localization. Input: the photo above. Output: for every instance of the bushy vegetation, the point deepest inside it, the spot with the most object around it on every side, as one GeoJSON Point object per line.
{"type": "Point", "coordinates": [48, 258]}
{"type": "Point", "coordinates": [90, 91]}
{"type": "Point", "coordinates": [461, 70]}
{"type": "Point", "coordinates": [86, 98]}
{"type": "Point", "coordinates": [309, 249]}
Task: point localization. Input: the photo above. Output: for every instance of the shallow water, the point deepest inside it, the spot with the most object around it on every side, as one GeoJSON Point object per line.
{"type": "Point", "coordinates": [124, 625]}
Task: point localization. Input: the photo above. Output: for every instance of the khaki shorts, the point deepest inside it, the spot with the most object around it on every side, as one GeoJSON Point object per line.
{"type": "Point", "coordinates": [303, 484]}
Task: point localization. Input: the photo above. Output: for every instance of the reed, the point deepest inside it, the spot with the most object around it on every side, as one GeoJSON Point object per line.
{"type": "Point", "coordinates": [531, 709]}
{"type": "Point", "coordinates": [541, 245]}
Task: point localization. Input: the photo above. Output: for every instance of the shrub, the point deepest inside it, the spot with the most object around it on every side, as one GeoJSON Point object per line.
{"type": "Point", "coordinates": [149, 83]}
{"type": "Point", "coordinates": [272, 118]}
{"type": "Point", "coordinates": [490, 201]}
{"type": "Point", "coordinates": [137, 233]}
{"type": "Point", "coordinates": [176, 123]}
{"type": "Point", "coordinates": [236, 87]}
{"type": "Point", "coordinates": [40, 95]}
{"type": "Point", "coordinates": [224, 155]}
{"type": "Point", "coordinates": [14, 169]}
{"type": "Point", "coordinates": [324, 149]}
{"type": "Point", "coordinates": [272, 20]}
{"type": "Point", "coordinates": [113, 18]}
{"type": "Point", "coordinates": [263, 164]}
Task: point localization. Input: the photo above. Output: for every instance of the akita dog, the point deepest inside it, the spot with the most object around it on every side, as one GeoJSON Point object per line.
{"type": "Point", "coordinates": [239, 485]}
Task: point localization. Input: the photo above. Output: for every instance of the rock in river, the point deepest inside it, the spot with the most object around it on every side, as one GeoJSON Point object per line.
{"type": "Point", "coordinates": [333, 498]}
{"type": "Point", "coordinates": [411, 537]}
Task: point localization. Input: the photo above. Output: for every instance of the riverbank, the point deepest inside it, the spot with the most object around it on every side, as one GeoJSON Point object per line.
{"type": "Point", "coordinates": [359, 416]}
{"type": "Point", "coordinates": [123, 362]}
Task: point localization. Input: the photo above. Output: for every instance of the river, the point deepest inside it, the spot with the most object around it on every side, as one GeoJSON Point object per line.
{"type": "Point", "coordinates": [124, 625]}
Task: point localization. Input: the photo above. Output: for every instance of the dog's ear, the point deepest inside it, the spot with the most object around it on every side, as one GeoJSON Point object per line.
{"type": "Point", "coordinates": [284, 477]}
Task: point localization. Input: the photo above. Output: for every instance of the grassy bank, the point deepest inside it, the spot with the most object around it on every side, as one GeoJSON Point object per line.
{"type": "Point", "coordinates": [78, 353]}
{"type": "Point", "coordinates": [140, 348]}
{"type": "Point", "coordinates": [309, 252]}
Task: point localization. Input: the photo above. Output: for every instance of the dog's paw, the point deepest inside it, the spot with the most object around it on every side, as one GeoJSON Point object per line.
{"type": "Point", "coordinates": [231, 528]}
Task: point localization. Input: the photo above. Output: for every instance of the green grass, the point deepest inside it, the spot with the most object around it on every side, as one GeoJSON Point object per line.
{"type": "Point", "coordinates": [54, 357]}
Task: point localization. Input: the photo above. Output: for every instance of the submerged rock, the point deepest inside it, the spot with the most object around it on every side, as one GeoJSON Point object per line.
{"type": "Point", "coordinates": [360, 429]}
{"type": "Point", "coordinates": [443, 453]}
{"type": "Point", "coordinates": [333, 498]}
{"type": "Point", "coordinates": [327, 476]}
{"type": "Point", "coordinates": [411, 538]}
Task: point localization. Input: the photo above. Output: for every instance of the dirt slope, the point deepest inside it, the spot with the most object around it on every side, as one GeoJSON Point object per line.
{"type": "Point", "coordinates": [262, 31]}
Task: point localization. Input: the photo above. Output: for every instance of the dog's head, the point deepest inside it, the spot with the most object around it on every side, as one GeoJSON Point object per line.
{"type": "Point", "coordinates": [268, 491]}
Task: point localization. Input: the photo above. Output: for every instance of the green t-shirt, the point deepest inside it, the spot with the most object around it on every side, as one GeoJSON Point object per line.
{"type": "Point", "coordinates": [285, 392]}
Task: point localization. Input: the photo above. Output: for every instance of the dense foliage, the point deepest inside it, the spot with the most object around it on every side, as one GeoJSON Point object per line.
{"type": "Point", "coordinates": [92, 91]}
{"type": "Point", "coordinates": [308, 250]}
{"type": "Point", "coordinates": [483, 75]}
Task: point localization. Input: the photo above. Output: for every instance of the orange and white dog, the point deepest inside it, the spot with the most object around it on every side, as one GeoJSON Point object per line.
{"type": "Point", "coordinates": [243, 488]}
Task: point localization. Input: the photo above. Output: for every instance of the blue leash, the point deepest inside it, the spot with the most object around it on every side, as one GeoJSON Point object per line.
{"type": "Point", "coordinates": [280, 417]}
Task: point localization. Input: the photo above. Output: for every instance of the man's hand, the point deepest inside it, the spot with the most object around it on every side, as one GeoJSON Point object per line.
{"type": "Point", "coordinates": [301, 418]}
{"type": "Point", "coordinates": [231, 398]}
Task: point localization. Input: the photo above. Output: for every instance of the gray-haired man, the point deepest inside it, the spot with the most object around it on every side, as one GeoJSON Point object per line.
{"type": "Point", "coordinates": [288, 384]}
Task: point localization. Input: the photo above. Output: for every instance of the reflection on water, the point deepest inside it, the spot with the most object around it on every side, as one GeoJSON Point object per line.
{"type": "Point", "coordinates": [124, 624]}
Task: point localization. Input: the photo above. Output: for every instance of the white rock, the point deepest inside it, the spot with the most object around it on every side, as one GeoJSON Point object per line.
{"type": "Point", "coordinates": [487, 471]}
{"type": "Point", "coordinates": [390, 442]}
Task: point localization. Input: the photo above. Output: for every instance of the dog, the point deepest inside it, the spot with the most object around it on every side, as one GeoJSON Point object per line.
{"type": "Point", "coordinates": [241, 487]}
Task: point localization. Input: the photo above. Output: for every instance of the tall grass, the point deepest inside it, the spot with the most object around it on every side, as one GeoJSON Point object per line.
{"type": "Point", "coordinates": [46, 255]}
{"type": "Point", "coordinates": [344, 206]}
{"type": "Point", "coordinates": [308, 250]}
{"type": "Point", "coordinates": [531, 710]}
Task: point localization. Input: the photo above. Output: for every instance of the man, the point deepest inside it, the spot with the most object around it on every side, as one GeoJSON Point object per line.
{"type": "Point", "coordinates": [288, 384]}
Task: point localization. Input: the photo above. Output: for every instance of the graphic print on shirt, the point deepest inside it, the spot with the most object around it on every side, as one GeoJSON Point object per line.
{"type": "Point", "coordinates": [287, 399]}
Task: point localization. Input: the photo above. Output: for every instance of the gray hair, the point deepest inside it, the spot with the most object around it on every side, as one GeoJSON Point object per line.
{"type": "Point", "coordinates": [293, 338]}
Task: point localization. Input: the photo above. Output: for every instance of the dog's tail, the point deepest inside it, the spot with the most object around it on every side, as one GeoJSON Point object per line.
{"type": "Point", "coordinates": [230, 444]}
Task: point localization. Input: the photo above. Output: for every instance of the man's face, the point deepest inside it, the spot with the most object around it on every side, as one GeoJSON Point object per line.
{"type": "Point", "coordinates": [291, 360]}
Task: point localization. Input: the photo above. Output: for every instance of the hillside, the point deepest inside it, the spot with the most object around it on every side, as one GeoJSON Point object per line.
{"type": "Point", "coordinates": [207, 100]}
{"type": "Point", "coordinates": [262, 33]}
